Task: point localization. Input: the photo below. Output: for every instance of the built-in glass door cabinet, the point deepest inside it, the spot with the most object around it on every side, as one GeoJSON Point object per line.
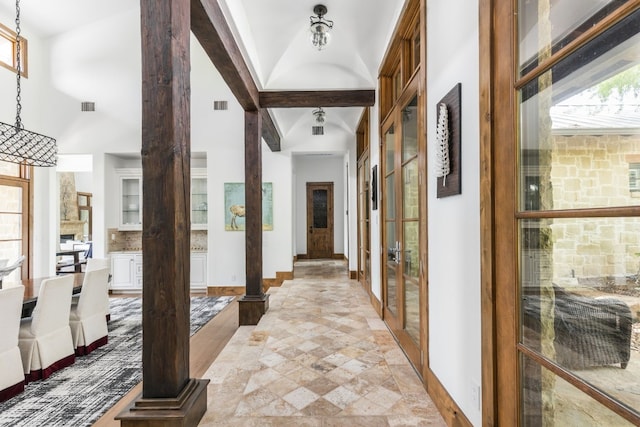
{"type": "Point", "coordinates": [199, 202]}
{"type": "Point", "coordinates": [130, 199]}
{"type": "Point", "coordinates": [130, 209]}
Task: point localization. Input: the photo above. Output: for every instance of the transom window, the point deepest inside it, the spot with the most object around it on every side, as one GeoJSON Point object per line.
{"type": "Point", "coordinates": [8, 50]}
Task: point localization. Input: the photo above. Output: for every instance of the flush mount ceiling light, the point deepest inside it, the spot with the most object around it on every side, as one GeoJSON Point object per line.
{"type": "Point", "coordinates": [319, 114]}
{"type": "Point", "coordinates": [18, 145]}
{"type": "Point", "coordinates": [320, 27]}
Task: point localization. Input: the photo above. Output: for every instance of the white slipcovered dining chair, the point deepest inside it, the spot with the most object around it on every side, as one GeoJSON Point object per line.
{"type": "Point", "coordinates": [96, 264]}
{"type": "Point", "coordinates": [11, 372]}
{"type": "Point", "coordinates": [45, 338]}
{"type": "Point", "coordinates": [87, 318]}
{"type": "Point", "coordinates": [6, 268]}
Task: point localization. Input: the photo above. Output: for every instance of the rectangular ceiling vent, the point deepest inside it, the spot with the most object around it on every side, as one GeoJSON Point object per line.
{"type": "Point", "coordinates": [317, 130]}
{"type": "Point", "coordinates": [88, 106]}
{"type": "Point", "coordinates": [220, 105]}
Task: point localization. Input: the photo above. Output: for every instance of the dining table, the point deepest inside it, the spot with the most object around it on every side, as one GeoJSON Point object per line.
{"type": "Point", "coordinates": [75, 253]}
{"type": "Point", "coordinates": [32, 289]}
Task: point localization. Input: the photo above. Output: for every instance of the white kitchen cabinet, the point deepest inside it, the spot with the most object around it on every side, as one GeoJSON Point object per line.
{"type": "Point", "coordinates": [126, 268]}
{"type": "Point", "coordinates": [198, 270]}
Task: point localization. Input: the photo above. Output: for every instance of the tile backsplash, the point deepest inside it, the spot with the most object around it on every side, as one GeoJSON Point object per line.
{"type": "Point", "coordinates": [132, 240]}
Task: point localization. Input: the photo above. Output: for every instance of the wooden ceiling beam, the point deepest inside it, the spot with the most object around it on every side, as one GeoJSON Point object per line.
{"type": "Point", "coordinates": [210, 27]}
{"type": "Point", "coordinates": [269, 130]}
{"type": "Point", "coordinates": [317, 98]}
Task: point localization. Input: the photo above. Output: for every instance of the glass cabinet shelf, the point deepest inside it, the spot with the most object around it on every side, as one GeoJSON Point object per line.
{"type": "Point", "coordinates": [130, 199]}
{"type": "Point", "coordinates": [199, 201]}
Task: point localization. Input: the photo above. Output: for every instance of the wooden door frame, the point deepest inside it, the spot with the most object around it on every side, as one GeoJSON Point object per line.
{"type": "Point", "coordinates": [488, 63]}
{"type": "Point", "coordinates": [330, 213]}
{"type": "Point", "coordinates": [363, 144]}
{"type": "Point", "coordinates": [361, 273]}
{"type": "Point", "coordinates": [89, 208]}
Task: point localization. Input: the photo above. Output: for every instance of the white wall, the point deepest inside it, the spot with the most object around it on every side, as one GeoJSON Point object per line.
{"type": "Point", "coordinates": [277, 251]}
{"type": "Point", "coordinates": [319, 168]}
{"type": "Point", "coordinates": [374, 219]}
{"type": "Point", "coordinates": [351, 208]}
{"type": "Point", "coordinates": [454, 222]}
{"type": "Point", "coordinates": [33, 116]}
{"type": "Point", "coordinates": [95, 63]}
{"type": "Point", "coordinates": [32, 87]}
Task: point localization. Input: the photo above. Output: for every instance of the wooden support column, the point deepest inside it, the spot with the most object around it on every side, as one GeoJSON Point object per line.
{"type": "Point", "coordinates": [255, 302]}
{"type": "Point", "coordinates": [169, 397]}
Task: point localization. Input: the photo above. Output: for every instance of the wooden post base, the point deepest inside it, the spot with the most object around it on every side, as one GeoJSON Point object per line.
{"type": "Point", "coordinates": [251, 309]}
{"type": "Point", "coordinates": [183, 411]}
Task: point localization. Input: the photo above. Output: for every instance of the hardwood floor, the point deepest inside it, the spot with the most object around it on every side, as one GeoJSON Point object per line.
{"type": "Point", "coordinates": [206, 344]}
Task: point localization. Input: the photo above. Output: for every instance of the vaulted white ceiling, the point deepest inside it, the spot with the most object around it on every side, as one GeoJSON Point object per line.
{"type": "Point", "coordinates": [274, 38]}
{"type": "Point", "coordinates": [275, 35]}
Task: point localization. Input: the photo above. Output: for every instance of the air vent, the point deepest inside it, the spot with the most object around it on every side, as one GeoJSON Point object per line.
{"type": "Point", "coordinates": [317, 130]}
{"type": "Point", "coordinates": [88, 106]}
{"type": "Point", "coordinates": [220, 105]}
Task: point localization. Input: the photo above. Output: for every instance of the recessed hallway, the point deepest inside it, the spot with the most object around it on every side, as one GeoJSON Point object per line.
{"type": "Point", "coordinates": [320, 356]}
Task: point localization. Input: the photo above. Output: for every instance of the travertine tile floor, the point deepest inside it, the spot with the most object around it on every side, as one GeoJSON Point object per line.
{"type": "Point", "coordinates": [320, 356]}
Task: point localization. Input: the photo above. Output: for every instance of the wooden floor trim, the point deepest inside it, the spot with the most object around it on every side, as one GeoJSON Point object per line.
{"type": "Point", "coordinates": [206, 344]}
{"type": "Point", "coordinates": [220, 291]}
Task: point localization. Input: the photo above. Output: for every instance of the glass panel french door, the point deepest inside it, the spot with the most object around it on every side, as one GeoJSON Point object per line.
{"type": "Point", "coordinates": [578, 221]}
{"type": "Point", "coordinates": [410, 220]}
{"type": "Point", "coordinates": [392, 252]}
{"type": "Point", "coordinates": [401, 232]}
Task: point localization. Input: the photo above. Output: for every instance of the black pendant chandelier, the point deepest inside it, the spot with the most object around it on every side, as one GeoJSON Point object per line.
{"type": "Point", "coordinates": [18, 145]}
{"type": "Point", "coordinates": [319, 115]}
{"type": "Point", "coordinates": [320, 27]}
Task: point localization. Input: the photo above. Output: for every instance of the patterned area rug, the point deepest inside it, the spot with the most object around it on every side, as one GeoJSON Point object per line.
{"type": "Point", "coordinates": [80, 394]}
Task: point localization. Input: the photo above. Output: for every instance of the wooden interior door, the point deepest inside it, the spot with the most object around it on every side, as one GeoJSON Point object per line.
{"type": "Point", "coordinates": [319, 220]}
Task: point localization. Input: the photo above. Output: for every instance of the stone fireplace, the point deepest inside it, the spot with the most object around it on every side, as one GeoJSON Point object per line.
{"type": "Point", "coordinates": [69, 217]}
